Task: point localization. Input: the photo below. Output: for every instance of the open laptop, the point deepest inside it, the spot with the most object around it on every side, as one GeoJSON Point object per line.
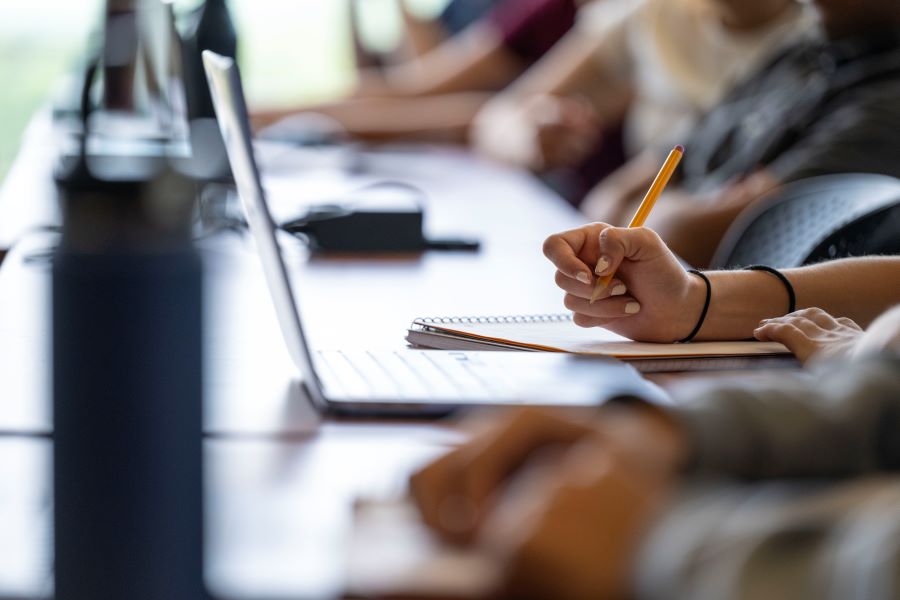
{"type": "Point", "coordinates": [404, 382]}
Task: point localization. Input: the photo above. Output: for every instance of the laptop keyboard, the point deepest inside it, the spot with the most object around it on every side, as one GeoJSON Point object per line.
{"type": "Point", "coordinates": [407, 375]}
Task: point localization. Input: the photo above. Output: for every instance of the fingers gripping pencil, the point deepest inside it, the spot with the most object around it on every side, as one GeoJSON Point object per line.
{"type": "Point", "coordinates": [643, 211]}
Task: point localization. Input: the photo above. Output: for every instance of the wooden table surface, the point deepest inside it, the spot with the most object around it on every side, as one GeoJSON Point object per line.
{"type": "Point", "coordinates": [281, 478]}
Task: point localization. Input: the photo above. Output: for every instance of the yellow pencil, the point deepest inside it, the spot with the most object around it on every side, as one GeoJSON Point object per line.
{"type": "Point", "coordinates": [643, 211]}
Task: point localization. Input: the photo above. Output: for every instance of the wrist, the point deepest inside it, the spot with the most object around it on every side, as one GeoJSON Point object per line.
{"type": "Point", "coordinates": [694, 301]}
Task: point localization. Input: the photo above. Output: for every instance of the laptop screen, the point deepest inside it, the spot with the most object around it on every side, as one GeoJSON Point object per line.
{"type": "Point", "coordinates": [234, 121]}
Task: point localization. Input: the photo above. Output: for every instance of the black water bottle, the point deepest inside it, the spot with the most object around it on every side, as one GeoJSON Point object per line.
{"type": "Point", "coordinates": [127, 402]}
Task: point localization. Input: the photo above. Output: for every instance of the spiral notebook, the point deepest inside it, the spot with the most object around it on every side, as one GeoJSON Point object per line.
{"type": "Point", "coordinates": [557, 333]}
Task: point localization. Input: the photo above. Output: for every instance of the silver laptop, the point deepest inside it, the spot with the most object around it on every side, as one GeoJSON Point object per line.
{"type": "Point", "coordinates": [405, 382]}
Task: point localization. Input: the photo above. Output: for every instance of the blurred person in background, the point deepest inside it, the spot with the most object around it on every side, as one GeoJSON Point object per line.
{"type": "Point", "coordinates": [631, 73]}
{"type": "Point", "coordinates": [829, 104]}
{"type": "Point", "coordinates": [435, 96]}
{"type": "Point", "coordinates": [783, 487]}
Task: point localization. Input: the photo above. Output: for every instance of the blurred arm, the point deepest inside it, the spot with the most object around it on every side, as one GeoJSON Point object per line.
{"type": "Point", "coordinates": [841, 422]}
{"type": "Point", "coordinates": [442, 118]}
{"type": "Point", "coordinates": [571, 68]}
{"type": "Point", "coordinates": [693, 225]}
{"type": "Point", "coordinates": [553, 114]}
{"type": "Point", "coordinates": [476, 59]}
{"type": "Point", "coordinates": [421, 36]}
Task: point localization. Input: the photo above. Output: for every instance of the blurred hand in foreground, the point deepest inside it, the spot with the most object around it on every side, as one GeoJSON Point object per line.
{"type": "Point", "coordinates": [562, 502]}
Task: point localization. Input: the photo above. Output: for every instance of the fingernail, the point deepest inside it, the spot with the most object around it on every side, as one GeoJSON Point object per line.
{"type": "Point", "coordinates": [583, 277]}
{"type": "Point", "coordinates": [632, 308]}
{"type": "Point", "coordinates": [602, 265]}
{"type": "Point", "coordinates": [618, 290]}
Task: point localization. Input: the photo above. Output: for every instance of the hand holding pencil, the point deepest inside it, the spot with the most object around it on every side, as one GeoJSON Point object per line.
{"type": "Point", "coordinates": [626, 279]}
{"type": "Point", "coordinates": [647, 204]}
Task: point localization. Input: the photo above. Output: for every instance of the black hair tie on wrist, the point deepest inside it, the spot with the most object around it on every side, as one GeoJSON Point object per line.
{"type": "Point", "coordinates": [705, 310]}
{"type": "Point", "coordinates": [792, 297]}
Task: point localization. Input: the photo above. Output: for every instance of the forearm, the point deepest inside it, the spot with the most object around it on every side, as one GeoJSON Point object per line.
{"type": "Point", "coordinates": [692, 227]}
{"type": "Point", "coordinates": [570, 69]}
{"type": "Point", "coordinates": [476, 59]}
{"type": "Point", "coordinates": [858, 288]}
{"type": "Point", "coordinates": [445, 118]}
{"type": "Point", "coordinates": [436, 119]}
{"type": "Point", "coordinates": [421, 36]}
{"type": "Point", "coordinates": [615, 197]}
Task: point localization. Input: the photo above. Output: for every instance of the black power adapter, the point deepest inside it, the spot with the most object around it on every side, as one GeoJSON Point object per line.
{"type": "Point", "coordinates": [379, 223]}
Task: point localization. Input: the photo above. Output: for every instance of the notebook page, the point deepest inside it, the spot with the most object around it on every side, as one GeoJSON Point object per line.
{"type": "Point", "coordinates": [557, 333]}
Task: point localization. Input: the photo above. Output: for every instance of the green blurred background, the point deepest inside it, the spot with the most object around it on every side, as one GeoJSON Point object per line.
{"type": "Point", "coordinates": [291, 50]}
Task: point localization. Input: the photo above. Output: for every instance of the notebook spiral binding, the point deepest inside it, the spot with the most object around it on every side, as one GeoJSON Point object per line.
{"type": "Point", "coordinates": [507, 320]}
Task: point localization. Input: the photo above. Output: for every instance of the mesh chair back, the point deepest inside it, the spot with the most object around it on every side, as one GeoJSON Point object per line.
{"type": "Point", "coordinates": [875, 233]}
{"type": "Point", "coordinates": [824, 217]}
